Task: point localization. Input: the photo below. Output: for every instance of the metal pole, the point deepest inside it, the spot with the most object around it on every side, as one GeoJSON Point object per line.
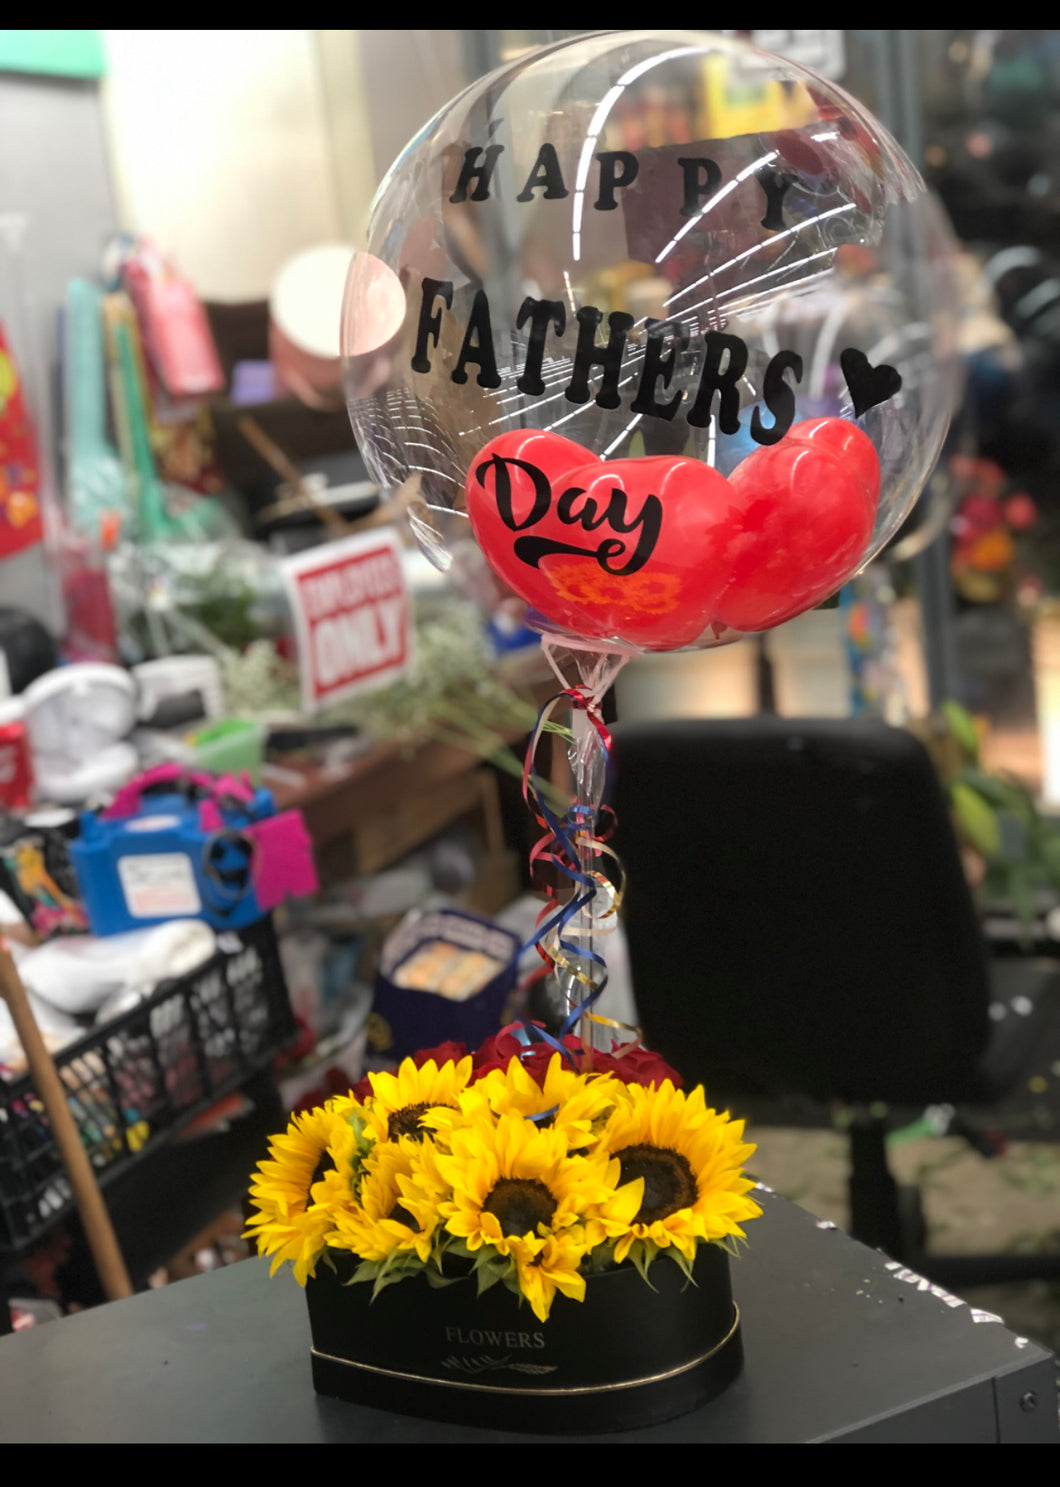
{"type": "Point", "coordinates": [102, 1241]}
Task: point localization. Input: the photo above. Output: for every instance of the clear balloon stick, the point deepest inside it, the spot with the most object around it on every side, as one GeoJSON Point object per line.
{"type": "Point", "coordinates": [576, 971]}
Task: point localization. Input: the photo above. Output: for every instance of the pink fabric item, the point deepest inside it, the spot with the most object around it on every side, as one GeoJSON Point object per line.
{"type": "Point", "coordinates": [127, 800]}
{"type": "Point", "coordinates": [238, 786]}
{"type": "Point", "coordinates": [210, 818]}
{"type": "Point", "coordinates": [283, 865]}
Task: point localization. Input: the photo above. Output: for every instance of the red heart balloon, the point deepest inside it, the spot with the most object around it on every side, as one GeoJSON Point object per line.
{"type": "Point", "coordinates": [655, 551]}
{"type": "Point", "coordinates": [808, 505]}
{"type": "Point", "coordinates": [618, 549]}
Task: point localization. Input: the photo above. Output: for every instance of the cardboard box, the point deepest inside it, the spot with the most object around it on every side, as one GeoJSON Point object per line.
{"type": "Point", "coordinates": [405, 1019]}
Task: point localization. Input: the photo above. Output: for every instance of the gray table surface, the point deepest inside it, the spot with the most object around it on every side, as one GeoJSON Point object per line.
{"type": "Point", "coordinates": [837, 1345]}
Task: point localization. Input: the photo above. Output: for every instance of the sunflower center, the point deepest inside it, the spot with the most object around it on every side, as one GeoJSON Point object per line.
{"type": "Point", "coordinates": [408, 1122]}
{"type": "Point", "coordinates": [519, 1204]}
{"type": "Point", "coordinates": [669, 1182]}
{"type": "Point", "coordinates": [399, 1214]}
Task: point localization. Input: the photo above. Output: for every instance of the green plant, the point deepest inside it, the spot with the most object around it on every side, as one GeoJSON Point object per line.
{"type": "Point", "coordinates": [453, 692]}
{"type": "Point", "coordinates": [995, 816]}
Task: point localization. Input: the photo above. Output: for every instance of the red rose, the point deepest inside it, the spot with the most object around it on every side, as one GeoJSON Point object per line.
{"type": "Point", "coordinates": [1020, 512]}
{"type": "Point", "coordinates": [498, 1051]}
{"type": "Point", "coordinates": [638, 1066]}
{"type": "Point", "coordinates": [642, 1066]}
{"type": "Point", "coordinates": [362, 1089]}
{"type": "Point", "coordinates": [977, 514]}
{"type": "Point", "coordinates": [442, 1054]}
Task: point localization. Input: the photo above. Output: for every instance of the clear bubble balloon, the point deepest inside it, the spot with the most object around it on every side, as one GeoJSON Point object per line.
{"type": "Point", "coordinates": [665, 324]}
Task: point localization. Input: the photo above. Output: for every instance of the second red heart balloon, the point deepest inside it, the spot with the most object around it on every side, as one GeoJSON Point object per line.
{"type": "Point", "coordinates": [807, 509]}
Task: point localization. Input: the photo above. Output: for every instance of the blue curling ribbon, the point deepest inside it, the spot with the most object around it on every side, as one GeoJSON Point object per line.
{"type": "Point", "coordinates": [561, 850]}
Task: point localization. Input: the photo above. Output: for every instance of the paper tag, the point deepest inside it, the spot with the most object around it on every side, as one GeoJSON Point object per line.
{"type": "Point", "coordinates": [352, 616]}
{"type": "Point", "coordinates": [159, 885]}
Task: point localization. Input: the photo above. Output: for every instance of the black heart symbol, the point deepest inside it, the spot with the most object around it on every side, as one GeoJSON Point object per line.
{"type": "Point", "coordinates": [868, 385]}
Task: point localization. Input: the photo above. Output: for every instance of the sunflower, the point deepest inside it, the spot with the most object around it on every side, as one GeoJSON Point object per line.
{"type": "Point", "coordinates": [514, 1184]}
{"type": "Point", "coordinates": [289, 1223]}
{"type": "Point", "coordinates": [550, 1267]}
{"type": "Point", "coordinates": [575, 1104]}
{"type": "Point", "coordinates": [399, 1101]}
{"type": "Point", "coordinates": [336, 1187]}
{"type": "Point", "coordinates": [688, 1162]}
{"type": "Point", "coordinates": [399, 1196]}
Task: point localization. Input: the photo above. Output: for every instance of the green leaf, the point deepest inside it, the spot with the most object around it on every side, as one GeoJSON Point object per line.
{"type": "Point", "coordinates": [642, 1253]}
{"type": "Point", "coordinates": [601, 1258]}
{"type": "Point", "coordinates": [1050, 855]}
{"type": "Point", "coordinates": [390, 1279]}
{"type": "Point", "coordinates": [367, 1270]}
{"type": "Point", "coordinates": [402, 1260]}
{"type": "Point", "coordinates": [993, 788]}
{"type": "Point", "coordinates": [1023, 896]}
{"type": "Point", "coordinates": [437, 1281]}
{"type": "Point", "coordinates": [489, 1275]}
{"type": "Point", "coordinates": [683, 1263]}
{"type": "Point", "coordinates": [962, 725]}
{"type": "Point", "coordinates": [977, 820]}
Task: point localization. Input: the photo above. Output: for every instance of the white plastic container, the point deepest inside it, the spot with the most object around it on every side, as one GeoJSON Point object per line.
{"type": "Point", "coordinates": [811, 672]}
{"type": "Point", "coordinates": [1046, 653]}
{"type": "Point", "coordinates": [720, 683]}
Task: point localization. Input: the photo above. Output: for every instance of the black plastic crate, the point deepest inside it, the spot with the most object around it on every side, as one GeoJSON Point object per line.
{"type": "Point", "coordinates": [139, 1078]}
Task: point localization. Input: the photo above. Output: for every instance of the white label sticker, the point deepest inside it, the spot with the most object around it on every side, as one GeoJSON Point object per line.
{"type": "Point", "coordinates": [159, 885]}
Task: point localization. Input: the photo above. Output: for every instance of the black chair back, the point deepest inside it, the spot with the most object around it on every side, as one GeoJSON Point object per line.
{"type": "Point", "coordinates": [797, 914]}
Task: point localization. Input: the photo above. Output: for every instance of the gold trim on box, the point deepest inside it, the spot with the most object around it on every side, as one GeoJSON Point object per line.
{"type": "Point", "coordinates": [654, 1378]}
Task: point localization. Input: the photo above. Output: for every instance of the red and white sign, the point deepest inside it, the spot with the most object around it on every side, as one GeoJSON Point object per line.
{"type": "Point", "coordinates": [352, 616]}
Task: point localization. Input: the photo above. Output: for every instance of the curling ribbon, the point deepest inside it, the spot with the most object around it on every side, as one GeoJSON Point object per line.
{"type": "Point", "coordinates": [560, 846]}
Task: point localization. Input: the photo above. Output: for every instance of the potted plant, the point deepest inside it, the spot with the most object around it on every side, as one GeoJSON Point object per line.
{"type": "Point", "coordinates": [536, 1236]}
{"type": "Point", "coordinates": [1010, 849]}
